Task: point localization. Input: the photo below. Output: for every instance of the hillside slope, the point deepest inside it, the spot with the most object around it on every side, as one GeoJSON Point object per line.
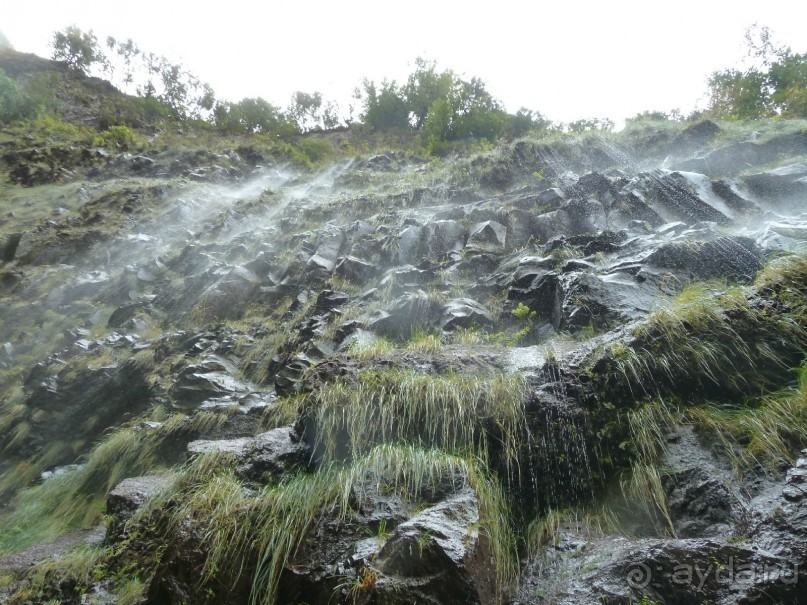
{"type": "Point", "coordinates": [559, 371]}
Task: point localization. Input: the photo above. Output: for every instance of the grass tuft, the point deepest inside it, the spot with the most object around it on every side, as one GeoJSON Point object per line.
{"type": "Point", "coordinates": [643, 488]}
{"type": "Point", "coordinates": [767, 432]}
{"type": "Point", "coordinates": [710, 341]}
{"type": "Point", "coordinates": [459, 413]}
{"type": "Point", "coordinates": [240, 527]}
{"type": "Point", "coordinates": [545, 529]}
{"type": "Point", "coordinates": [76, 498]}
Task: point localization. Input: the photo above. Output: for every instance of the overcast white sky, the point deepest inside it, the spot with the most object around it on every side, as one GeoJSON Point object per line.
{"type": "Point", "coordinates": [567, 59]}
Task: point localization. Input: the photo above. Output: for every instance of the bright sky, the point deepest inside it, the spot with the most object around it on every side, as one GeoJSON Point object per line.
{"type": "Point", "coordinates": [568, 59]}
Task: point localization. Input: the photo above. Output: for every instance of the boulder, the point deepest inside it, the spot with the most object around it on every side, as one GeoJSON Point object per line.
{"type": "Point", "coordinates": [211, 378]}
{"type": "Point", "coordinates": [355, 269]}
{"type": "Point", "coordinates": [379, 162]}
{"type": "Point", "coordinates": [445, 237]}
{"type": "Point", "coordinates": [729, 193]}
{"type": "Point", "coordinates": [262, 458]}
{"type": "Point", "coordinates": [127, 498]}
{"type": "Point", "coordinates": [585, 216]}
{"type": "Point", "coordinates": [676, 198]}
{"type": "Point", "coordinates": [597, 186]}
{"type": "Point", "coordinates": [437, 557]}
{"type": "Point", "coordinates": [273, 454]}
{"type": "Point", "coordinates": [551, 198]}
{"type": "Point", "coordinates": [464, 313]}
{"type": "Point", "coordinates": [408, 312]}
{"type": "Point", "coordinates": [606, 301]}
{"type": "Point", "coordinates": [324, 258]}
{"type": "Point", "coordinates": [8, 246]}
{"type": "Point", "coordinates": [412, 242]}
{"type": "Point", "coordinates": [539, 289]}
{"type": "Point", "coordinates": [488, 236]}
{"type": "Point", "coordinates": [737, 258]}
{"type": "Point", "coordinates": [549, 225]}
{"type": "Point", "coordinates": [228, 295]}
{"type": "Point", "coordinates": [784, 186]}
{"type": "Point", "coordinates": [695, 136]}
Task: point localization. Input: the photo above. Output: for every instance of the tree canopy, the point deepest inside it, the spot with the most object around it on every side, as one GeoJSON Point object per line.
{"type": "Point", "coordinates": [775, 83]}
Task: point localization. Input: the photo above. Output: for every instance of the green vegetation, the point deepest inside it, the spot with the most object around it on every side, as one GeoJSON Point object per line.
{"type": "Point", "coordinates": [75, 498]}
{"type": "Point", "coordinates": [442, 107]}
{"type": "Point", "coordinates": [711, 341]}
{"type": "Point", "coordinates": [80, 50]}
{"type": "Point", "coordinates": [425, 341]}
{"type": "Point", "coordinates": [775, 85]}
{"type": "Point", "coordinates": [262, 531]}
{"type": "Point", "coordinates": [765, 432]}
{"type": "Point", "coordinates": [115, 137]}
{"type": "Point", "coordinates": [14, 104]}
{"type": "Point", "coordinates": [723, 349]}
{"type": "Point", "coordinates": [545, 529]}
{"type": "Point", "coordinates": [455, 412]}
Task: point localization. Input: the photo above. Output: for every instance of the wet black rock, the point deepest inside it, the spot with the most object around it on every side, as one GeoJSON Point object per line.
{"type": "Point", "coordinates": [737, 258]}
{"type": "Point", "coordinates": [266, 457]}
{"type": "Point", "coordinates": [127, 498]}
{"type": "Point", "coordinates": [355, 269]}
{"type": "Point", "coordinates": [65, 401]}
{"type": "Point", "coordinates": [407, 313]}
{"type": "Point", "coordinates": [728, 191]}
{"type": "Point", "coordinates": [585, 216]}
{"type": "Point", "coordinates": [674, 197]}
{"type": "Point", "coordinates": [488, 236]}
{"type": "Point", "coordinates": [437, 557]}
{"type": "Point", "coordinates": [434, 556]}
{"type": "Point", "coordinates": [606, 301]}
{"type": "Point", "coordinates": [694, 137]}
{"type": "Point", "coordinates": [227, 297]}
{"type": "Point", "coordinates": [787, 185]}
{"type": "Point", "coordinates": [540, 290]}
{"type": "Point", "coordinates": [464, 313]}
{"type": "Point", "coordinates": [8, 246]}
{"type": "Point", "coordinates": [210, 378]}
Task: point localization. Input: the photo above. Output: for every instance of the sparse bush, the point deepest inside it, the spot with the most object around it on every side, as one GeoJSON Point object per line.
{"type": "Point", "coordinates": [54, 127]}
{"type": "Point", "coordinates": [316, 151]}
{"type": "Point", "coordinates": [115, 136]}
{"type": "Point", "coordinates": [14, 104]}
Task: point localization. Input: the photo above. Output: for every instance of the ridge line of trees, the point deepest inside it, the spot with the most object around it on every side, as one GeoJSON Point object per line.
{"type": "Point", "coordinates": [439, 106]}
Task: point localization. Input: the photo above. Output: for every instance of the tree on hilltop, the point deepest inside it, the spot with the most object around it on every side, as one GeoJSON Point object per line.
{"type": "Point", "coordinates": [79, 49]}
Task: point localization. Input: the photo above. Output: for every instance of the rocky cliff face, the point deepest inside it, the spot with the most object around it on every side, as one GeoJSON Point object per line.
{"type": "Point", "coordinates": [549, 373]}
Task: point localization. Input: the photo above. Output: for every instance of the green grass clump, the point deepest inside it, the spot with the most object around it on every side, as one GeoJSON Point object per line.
{"type": "Point", "coordinates": [130, 592]}
{"type": "Point", "coordinates": [77, 564]}
{"type": "Point", "coordinates": [76, 498]}
{"type": "Point", "coordinates": [64, 575]}
{"type": "Point", "coordinates": [648, 426]}
{"type": "Point", "coordinates": [642, 486]}
{"type": "Point", "coordinates": [710, 341]}
{"type": "Point", "coordinates": [245, 532]}
{"type": "Point", "coordinates": [459, 413]}
{"type": "Point", "coordinates": [425, 341]}
{"type": "Point", "coordinates": [372, 349]}
{"type": "Point", "coordinates": [545, 529]}
{"type": "Point", "coordinates": [766, 432]}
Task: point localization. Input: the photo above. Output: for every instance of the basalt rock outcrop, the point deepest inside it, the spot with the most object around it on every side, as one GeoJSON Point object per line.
{"type": "Point", "coordinates": [218, 303]}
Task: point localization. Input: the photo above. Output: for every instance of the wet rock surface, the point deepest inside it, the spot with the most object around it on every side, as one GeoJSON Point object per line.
{"type": "Point", "coordinates": [214, 309]}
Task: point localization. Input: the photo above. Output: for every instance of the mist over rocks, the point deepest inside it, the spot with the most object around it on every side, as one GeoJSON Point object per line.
{"type": "Point", "coordinates": [514, 375]}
